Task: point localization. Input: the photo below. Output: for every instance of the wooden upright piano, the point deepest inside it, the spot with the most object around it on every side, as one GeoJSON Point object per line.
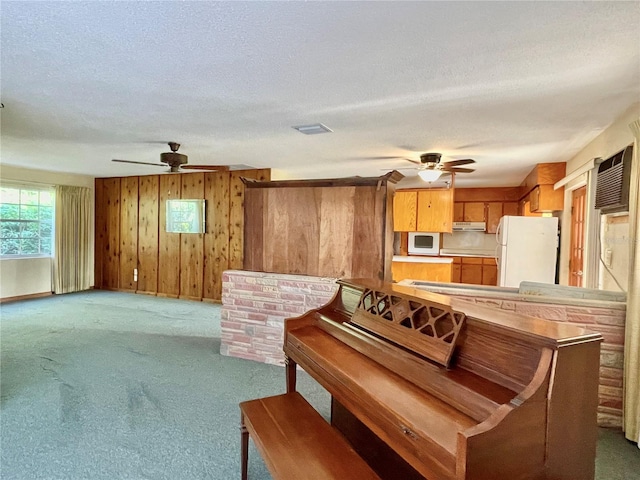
{"type": "Point", "coordinates": [425, 386]}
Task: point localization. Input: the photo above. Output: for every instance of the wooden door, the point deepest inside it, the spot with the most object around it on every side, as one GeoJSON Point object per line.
{"type": "Point", "coordinates": [578, 214]}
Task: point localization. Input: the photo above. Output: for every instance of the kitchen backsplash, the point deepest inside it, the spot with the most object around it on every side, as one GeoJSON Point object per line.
{"type": "Point", "coordinates": [469, 240]}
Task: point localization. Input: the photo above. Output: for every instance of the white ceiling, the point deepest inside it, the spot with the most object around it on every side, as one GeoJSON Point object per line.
{"type": "Point", "coordinates": [510, 84]}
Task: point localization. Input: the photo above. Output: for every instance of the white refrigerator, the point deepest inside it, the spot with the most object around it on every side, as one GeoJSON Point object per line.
{"type": "Point", "coordinates": [527, 250]}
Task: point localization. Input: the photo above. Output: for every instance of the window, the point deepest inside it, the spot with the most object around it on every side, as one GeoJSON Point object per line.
{"type": "Point", "coordinates": [26, 221]}
{"type": "Point", "coordinates": [185, 216]}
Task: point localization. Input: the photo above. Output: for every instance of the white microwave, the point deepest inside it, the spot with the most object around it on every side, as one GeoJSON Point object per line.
{"type": "Point", "coordinates": [423, 243]}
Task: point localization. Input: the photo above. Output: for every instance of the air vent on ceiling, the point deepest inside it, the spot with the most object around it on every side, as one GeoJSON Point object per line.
{"type": "Point", "coordinates": [614, 177]}
{"type": "Point", "coordinates": [314, 129]}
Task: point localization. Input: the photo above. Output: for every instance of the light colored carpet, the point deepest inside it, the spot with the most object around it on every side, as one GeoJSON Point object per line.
{"type": "Point", "coordinates": [106, 385]}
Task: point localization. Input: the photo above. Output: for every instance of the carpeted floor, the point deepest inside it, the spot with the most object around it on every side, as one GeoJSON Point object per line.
{"type": "Point", "coordinates": [106, 385]}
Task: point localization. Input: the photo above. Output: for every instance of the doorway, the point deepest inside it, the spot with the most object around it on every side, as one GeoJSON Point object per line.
{"type": "Point", "coordinates": [578, 215]}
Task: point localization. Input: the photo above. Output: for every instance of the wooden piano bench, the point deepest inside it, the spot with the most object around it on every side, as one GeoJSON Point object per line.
{"type": "Point", "coordinates": [296, 443]}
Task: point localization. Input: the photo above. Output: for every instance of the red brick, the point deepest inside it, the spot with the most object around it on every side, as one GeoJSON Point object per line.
{"type": "Point", "coordinates": [610, 402]}
{"type": "Point", "coordinates": [608, 372]}
{"type": "Point", "coordinates": [611, 382]}
{"type": "Point", "coordinates": [316, 301]}
{"type": "Point", "coordinates": [298, 297]}
{"type": "Point", "coordinates": [235, 326]}
{"type": "Point", "coordinates": [294, 309]}
{"type": "Point", "coordinates": [511, 306]}
{"type": "Point", "coordinates": [581, 318]}
{"type": "Point", "coordinates": [545, 311]}
{"type": "Point", "coordinates": [237, 338]}
{"type": "Point", "coordinates": [490, 302]}
{"type": "Point", "coordinates": [609, 420]}
{"type": "Point", "coordinates": [610, 320]}
{"type": "Point", "coordinates": [611, 334]}
{"type": "Point", "coordinates": [262, 294]}
{"type": "Point", "coordinates": [324, 287]}
{"type": "Point", "coordinates": [595, 310]}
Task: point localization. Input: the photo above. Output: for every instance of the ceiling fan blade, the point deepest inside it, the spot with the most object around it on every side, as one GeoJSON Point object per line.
{"type": "Point", "coordinates": [457, 169]}
{"type": "Point", "coordinates": [139, 163]}
{"type": "Point", "coordinates": [205, 167]}
{"type": "Point", "coordinates": [388, 157]}
{"type": "Point", "coordinates": [417, 162]}
{"type": "Point", "coordinates": [464, 161]}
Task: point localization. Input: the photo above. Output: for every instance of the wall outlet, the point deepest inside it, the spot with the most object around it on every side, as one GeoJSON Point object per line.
{"type": "Point", "coordinates": [608, 253]}
{"type": "Point", "coordinates": [135, 274]}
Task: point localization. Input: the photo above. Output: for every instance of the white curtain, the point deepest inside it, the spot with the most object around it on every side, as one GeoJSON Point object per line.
{"type": "Point", "coordinates": [72, 268]}
{"type": "Point", "coordinates": [632, 330]}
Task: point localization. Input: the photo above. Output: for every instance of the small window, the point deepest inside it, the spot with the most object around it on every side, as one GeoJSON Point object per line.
{"type": "Point", "coordinates": [26, 221]}
{"type": "Point", "coordinates": [185, 216]}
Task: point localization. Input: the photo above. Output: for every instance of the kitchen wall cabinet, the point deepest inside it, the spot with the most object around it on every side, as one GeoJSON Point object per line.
{"type": "Point", "coordinates": [405, 211]}
{"type": "Point", "coordinates": [474, 212]}
{"type": "Point", "coordinates": [428, 210]}
{"type": "Point", "coordinates": [545, 199]}
{"type": "Point", "coordinates": [458, 212]}
{"type": "Point", "coordinates": [429, 272]}
{"type": "Point", "coordinates": [539, 191]}
{"type": "Point", "coordinates": [489, 212]}
{"type": "Point", "coordinates": [510, 208]}
{"type": "Point", "coordinates": [494, 214]}
{"type": "Point", "coordinates": [474, 270]}
{"type": "Point", "coordinates": [524, 208]}
{"type": "Point", "coordinates": [435, 210]}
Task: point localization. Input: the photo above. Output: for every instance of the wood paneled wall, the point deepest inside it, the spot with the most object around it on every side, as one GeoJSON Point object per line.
{"type": "Point", "coordinates": [130, 233]}
{"type": "Point", "coordinates": [327, 231]}
{"type": "Point", "coordinates": [148, 223]}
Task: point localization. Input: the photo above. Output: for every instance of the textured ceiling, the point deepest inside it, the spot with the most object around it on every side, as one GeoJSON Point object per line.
{"type": "Point", "coordinates": [510, 84]}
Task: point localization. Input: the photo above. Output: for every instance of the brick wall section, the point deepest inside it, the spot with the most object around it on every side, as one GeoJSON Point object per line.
{"type": "Point", "coordinates": [255, 304]}
{"type": "Point", "coordinates": [608, 321]}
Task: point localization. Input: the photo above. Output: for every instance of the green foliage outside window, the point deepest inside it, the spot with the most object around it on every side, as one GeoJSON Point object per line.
{"type": "Point", "coordinates": [26, 221]}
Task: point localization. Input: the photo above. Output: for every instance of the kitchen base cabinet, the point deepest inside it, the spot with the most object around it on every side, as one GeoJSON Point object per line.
{"type": "Point", "coordinates": [474, 270]}
{"type": "Point", "coordinates": [471, 271]}
{"type": "Point", "coordinates": [431, 272]}
{"type": "Point", "coordinates": [489, 272]}
{"type": "Point", "coordinates": [456, 270]}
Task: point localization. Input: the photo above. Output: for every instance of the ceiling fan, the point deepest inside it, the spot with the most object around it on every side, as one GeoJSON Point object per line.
{"type": "Point", "coordinates": [177, 161]}
{"type": "Point", "coordinates": [430, 169]}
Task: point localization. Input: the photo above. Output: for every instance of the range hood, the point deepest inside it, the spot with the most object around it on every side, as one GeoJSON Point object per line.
{"type": "Point", "coordinates": [469, 226]}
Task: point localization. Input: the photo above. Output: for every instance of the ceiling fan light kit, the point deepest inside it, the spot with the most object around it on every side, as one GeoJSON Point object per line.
{"type": "Point", "coordinates": [430, 175]}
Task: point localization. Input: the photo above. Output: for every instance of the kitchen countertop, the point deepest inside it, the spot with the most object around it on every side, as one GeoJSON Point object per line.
{"type": "Point", "coordinates": [470, 252]}
{"type": "Point", "coordinates": [421, 259]}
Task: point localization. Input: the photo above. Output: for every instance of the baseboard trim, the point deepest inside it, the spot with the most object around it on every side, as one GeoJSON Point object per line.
{"type": "Point", "coordinates": [162, 295]}
{"type": "Point", "coordinates": [211, 300]}
{"type": "Point", "coordinates": [166, 295]}
{"type": "Point", "coordinates": [145, 292]}
{"type": "Point", "coordinates": [17, 298]}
